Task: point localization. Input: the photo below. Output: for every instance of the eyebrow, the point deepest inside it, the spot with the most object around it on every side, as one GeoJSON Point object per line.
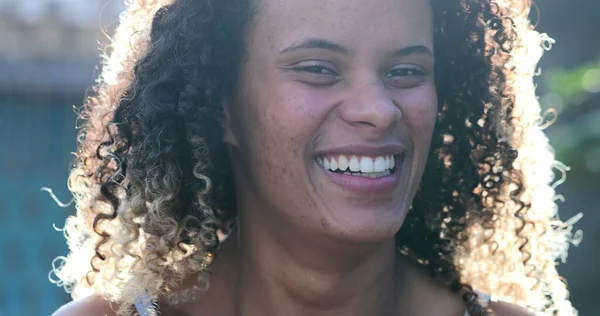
{"type": "Point", "coordinates": [415, 49]}
{"type": "Point", "coordinates": [316, 43]}
{"type": "Point", "coordinates": [319, 43]}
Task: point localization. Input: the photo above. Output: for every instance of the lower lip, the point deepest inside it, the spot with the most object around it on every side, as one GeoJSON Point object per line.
{"type": "Point", "coordinates": [364, 185]}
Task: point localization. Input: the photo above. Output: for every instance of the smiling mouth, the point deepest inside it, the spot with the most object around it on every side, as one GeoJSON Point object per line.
{"type": "Point", "coordinates": [362, 166]}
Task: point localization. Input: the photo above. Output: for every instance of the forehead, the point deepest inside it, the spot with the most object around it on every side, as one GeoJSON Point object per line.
{"type": "Point", "coordinates": [358, 22]}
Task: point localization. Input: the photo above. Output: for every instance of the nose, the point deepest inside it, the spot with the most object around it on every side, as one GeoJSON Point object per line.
{"type": "Point", "coordinates": [371, 109]}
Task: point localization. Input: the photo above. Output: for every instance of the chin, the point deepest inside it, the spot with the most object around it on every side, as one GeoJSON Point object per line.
{"type": "Point", "coordinates": [371, 226]}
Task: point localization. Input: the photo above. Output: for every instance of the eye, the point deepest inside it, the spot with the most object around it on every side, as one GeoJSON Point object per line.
{"type": "Point", "coordinates": [407, 76]}
{"type": "Point", "coordinates": [317, 69]}
{"type": "Point", "coordinates": [316, 73]}
{"type": "Point", "coordinates": [406, 71]}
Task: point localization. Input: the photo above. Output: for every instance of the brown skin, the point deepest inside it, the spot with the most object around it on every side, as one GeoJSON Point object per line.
{"type": "Point", "coordinates": [307, 246]}
{"type": "Point", "coordinates": [97, 306]}
{"type": "Point", "coordinates": [282, 120]}
{"type": "Point", "coordinates": [304, 245]}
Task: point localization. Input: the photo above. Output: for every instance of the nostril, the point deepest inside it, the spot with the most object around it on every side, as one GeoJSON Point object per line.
{"type": "Point", "coordinates": [366, 123]}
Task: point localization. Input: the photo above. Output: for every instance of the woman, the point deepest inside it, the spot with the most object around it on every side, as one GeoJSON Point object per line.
{"type": "Point", "coordinates": [314, 135]}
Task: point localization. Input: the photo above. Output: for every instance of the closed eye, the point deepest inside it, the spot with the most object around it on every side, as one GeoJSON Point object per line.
{"type": "Point", "coordinates": [406, 72]}
{"type": "Point", "coordinates": [316, 69]}
{"type": "Point", "coordinates": [316, 73]}
{"type": "Point", "coordinates": [407, 76]}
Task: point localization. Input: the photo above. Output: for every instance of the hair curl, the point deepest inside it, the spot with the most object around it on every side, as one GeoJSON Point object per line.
{"type": "Point", "coordinates": [153, 184]}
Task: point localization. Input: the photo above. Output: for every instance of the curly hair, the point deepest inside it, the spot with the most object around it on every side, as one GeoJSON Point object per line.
{"type": "Point", "coordinates": [153, 184]}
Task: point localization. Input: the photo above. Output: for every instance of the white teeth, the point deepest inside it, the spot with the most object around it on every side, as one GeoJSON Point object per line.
{"type": "Point", "coordinates": [343, 163]}
{"type": "Point", "coordinates": [333, 165]}
{"type": "Point", "coordinates": [354, 164]}
{"type": "Point", "coordinates": [373, 175]}
{"type": "Point", "coordinates": [379, 165]}
{"type": "Point", "coordinates": [359, 166]}
{"type": "Point", "coordinates": [366, 164]}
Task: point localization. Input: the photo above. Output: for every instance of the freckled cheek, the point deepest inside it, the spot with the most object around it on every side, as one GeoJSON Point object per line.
{"type": "Point", "coordinates": [287, 124]}
{"type": "Point", "coordinates": [419, 110]}
{"type": "Point", "coordinates": [297, 114]}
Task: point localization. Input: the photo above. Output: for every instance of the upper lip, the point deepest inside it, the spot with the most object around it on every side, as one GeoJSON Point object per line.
{"type": "Point", "coordinates": [364, 150]}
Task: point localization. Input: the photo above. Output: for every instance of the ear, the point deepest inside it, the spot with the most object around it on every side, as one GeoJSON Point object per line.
{"type": "Point", "coordinates": [227, 124]}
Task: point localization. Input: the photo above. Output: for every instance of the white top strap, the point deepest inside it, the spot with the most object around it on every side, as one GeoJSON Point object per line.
{"type": "Point", "coordinates": [145, 306]}
{"type": "Point", "coordinates": [483, 299]}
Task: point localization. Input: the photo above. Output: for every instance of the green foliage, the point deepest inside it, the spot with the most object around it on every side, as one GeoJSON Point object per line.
{"type": "Point", "coordinates": [572, 84]}
{"type": "Point", "coordinates": [575, 96]}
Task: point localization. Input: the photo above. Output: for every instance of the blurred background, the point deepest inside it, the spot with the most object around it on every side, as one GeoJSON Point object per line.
{"type": "Point", "coordinates": [49, 55]}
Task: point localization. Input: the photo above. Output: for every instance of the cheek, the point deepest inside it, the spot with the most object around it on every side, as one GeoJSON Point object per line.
{"type": "Point", "coordinates": [293, 115]}
{"type": "Point", "coordinates": [284, 121]}
{"type": "Point", "coordinates": [419, 109]}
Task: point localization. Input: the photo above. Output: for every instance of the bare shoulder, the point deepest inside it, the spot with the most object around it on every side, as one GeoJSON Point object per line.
{"type": "Point", "coordinates": [507, 309]}
{"type": "Point", "coordinates": [90, 306]}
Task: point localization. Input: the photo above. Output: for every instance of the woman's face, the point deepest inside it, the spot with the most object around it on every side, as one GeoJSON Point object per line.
{"type": "Point", "coordinates": [330, 85]}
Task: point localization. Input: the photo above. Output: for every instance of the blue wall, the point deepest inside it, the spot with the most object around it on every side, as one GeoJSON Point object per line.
{"type": "Point", "coordinates": [36, 142]}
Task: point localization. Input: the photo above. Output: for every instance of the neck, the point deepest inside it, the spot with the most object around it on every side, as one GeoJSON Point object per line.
{"type": "Point", "coordinates": [283, 272]}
